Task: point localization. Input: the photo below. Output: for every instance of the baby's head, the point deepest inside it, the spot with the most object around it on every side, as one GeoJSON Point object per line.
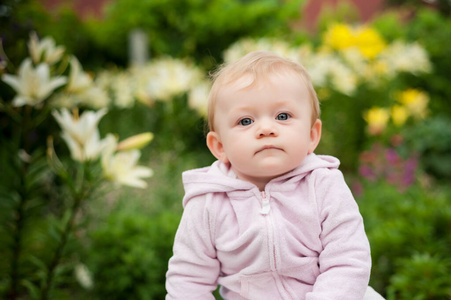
{"type": "Point", "coordinates": [259, 65]}
{"type": "Point", "coordinates": [263, 117]}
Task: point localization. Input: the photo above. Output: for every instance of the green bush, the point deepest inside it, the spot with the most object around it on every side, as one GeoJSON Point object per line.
{"type": "Point", "coordinates": [434, 30]}
{"type": "Point", "coordinates": [444, 6]}
{"type": "Point", "coordinates": [179, 132]}
{"type": "Point", "coordinates": [24, 16]}
{"type": "Point", "coordinates": [344, 128]}
{"type": "Point", "coordinates": [196, 28]}
{"type": "Point", "coordinates": [129, 255]}
{"type": "Point", "coordinates": [421, 276]}
{"type": "Point", "coordinates": [409, 237]}
{"type": "Point", "coordinates": [432, 140]}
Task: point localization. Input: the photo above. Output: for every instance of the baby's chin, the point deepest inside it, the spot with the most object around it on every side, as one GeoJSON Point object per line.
{"type": "Point", "coordinates": [264, 175]}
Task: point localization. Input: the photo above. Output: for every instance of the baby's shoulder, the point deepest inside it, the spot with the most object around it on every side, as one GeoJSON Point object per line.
{"type": "Point", "coordinates": [325, 174]}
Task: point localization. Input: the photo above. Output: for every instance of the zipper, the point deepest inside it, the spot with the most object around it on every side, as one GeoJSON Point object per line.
{"type": "Point", "coordinates": [265, 204]}
{"type": "Point", "coordinates": [266, 207]}
{"type": "Point", "coordinates": [271, 242]}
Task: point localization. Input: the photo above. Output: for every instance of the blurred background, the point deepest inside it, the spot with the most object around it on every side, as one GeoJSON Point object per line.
{"type": "Point", "coordinates": [102, 107]}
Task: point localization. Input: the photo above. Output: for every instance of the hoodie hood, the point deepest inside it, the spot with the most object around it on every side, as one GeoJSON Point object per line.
{"type": "Point", "coordinates": [219, 177]}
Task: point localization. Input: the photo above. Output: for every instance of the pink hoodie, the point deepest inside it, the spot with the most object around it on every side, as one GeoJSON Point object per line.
{"type": "Point", "coordinates": [302, 238]}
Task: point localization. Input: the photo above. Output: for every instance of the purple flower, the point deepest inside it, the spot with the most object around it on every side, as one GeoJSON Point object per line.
{"type": "Point", "coordinates": [391, 156]}
{"type": "Point", "coordinates": [367, 172]}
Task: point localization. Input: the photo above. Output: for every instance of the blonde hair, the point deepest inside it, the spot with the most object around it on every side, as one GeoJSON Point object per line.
{"type": "Point", "coordinates": [260, 65]}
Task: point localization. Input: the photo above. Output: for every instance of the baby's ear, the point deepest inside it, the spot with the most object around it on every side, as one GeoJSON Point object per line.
{"type": "Point", "coordinates": [216, 148]}
{"type": "Point", "coordinates": [315, 135]}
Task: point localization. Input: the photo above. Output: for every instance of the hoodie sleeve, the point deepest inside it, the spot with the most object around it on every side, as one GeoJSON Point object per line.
{"type": "Point", "coordinates": [193, 269]}
{"type": "Point", "coordinates": [345, 261]}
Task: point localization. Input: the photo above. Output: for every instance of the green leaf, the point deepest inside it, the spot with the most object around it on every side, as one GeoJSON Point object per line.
{"type": "Point", "coordinates": [32, 289]}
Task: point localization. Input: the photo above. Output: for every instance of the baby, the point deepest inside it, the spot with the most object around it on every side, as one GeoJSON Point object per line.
{"type": "Point", "coordinates": [269, 219]}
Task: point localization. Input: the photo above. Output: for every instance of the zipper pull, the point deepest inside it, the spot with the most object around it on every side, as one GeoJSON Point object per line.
{"type": "Point", "coordinates": [265, 204]}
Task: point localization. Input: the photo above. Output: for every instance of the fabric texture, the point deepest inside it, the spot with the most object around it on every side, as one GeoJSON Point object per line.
{"type": "Point", "coordinates": [301, 238]}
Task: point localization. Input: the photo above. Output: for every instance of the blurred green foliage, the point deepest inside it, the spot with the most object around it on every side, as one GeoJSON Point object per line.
{"type": "Point", "coordinates": [421, 276]}
{"type": "Point", "coordinates": [180, 128]}
{"type": "Point", "coordinates": [20, 17]}
{"type": "Point", "coordinates": [344, 129]}
{"type": "Point", "coordinates": [129, 254]}
{"type": "Point", "coordinates": [410, 241]}
{"type": "Point", "coordinates": [432, 140]}
{"type": "Point", "coordinates": [443, 6]}
{"type": "Point", "coordinates": [197, 28]}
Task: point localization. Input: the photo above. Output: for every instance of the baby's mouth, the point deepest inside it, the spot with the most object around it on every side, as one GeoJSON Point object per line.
{"type": "Point", "coordinates": [267, 147]}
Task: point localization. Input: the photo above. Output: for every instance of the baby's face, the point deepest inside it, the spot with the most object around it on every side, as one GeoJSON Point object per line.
{"type": "Point", "coordinates": [264, 130]}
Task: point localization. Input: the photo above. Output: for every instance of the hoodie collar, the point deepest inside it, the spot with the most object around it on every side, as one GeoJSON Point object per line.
{"type": "Point", "coordinates": [219, 177]}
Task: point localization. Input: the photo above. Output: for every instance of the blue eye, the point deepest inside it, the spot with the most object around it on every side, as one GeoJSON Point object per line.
{"type": "Point", "coordinates": [283, 117]}
{"type": "Point", "coordinates": [246, 122]}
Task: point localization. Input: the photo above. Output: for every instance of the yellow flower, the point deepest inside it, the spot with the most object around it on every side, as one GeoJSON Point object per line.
{"type": "Point", "coordinates": [415, 101]}
{"type": "Point", "coordinates": [399, 115]}
{"type": "Point", "coordinates": [339, 36]}
{"type": "Point", "coordinates": [377, 119]}
{"type": "Point", "coordinates": [369, 42]}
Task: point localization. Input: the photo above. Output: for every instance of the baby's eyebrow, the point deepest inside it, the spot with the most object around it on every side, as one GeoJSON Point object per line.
{"type": "Point", "coordinates": [242, 109]}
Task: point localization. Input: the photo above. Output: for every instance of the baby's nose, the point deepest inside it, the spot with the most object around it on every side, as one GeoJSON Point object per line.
{"type": "Point", "coordinates": [267, 129]}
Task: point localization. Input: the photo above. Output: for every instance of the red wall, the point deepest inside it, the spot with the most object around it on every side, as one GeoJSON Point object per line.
{"type": "Point", "coordinates": [84, 8]}
{"type": "Point", "coordinates": [366, 9]}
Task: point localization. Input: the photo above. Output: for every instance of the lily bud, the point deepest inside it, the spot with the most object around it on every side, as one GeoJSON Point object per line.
{"type": "Point", "coordinates": [135, 142]}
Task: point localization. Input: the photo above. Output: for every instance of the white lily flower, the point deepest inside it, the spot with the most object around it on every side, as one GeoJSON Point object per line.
{"type": "Point", "coordinates": [198, 97]}
{"type": "Point", "coordinates": [402, 57]}
{"type": "Point", "coordinates": [33, 86]}
{"type": "Point", "coordinates": [81, 134]}
{"type": "Point", "coordinates": [247, 45]}
{"type": "Point", "coordinates": [121, 167]}
{"type": "Point", "coordinates": [90, 150]}
{"type": "Point", "coordinates": [123, 89]}
{"type": "Point", "coordinates": [84, 276]}
{"type": "Point", "coordinates": [95, 97]}
{"type": "Point", "coordinates": [46, 49]}
{"type": "Point", "coordinates": [78, 79]}
{"type": "Point", "coordinates": [342, 78]}
{"type": "Point", "coordinates": [168, 77]}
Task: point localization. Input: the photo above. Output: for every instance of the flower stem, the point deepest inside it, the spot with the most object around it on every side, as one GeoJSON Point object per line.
{"type": "Point", "coordinates": [80, 193]}
{"type": "Point", "coordinates": [60, 248]}
{"type": "Point", "coordinates": [17, 247]}
{"type": "Point", "coordinates": [19, 212]}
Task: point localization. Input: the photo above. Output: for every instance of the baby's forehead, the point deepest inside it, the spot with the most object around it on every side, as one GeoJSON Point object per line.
{"type": "Point", "coordinates": [240, 83]}
{"type": "Point", "coordinates": [257, 80]}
